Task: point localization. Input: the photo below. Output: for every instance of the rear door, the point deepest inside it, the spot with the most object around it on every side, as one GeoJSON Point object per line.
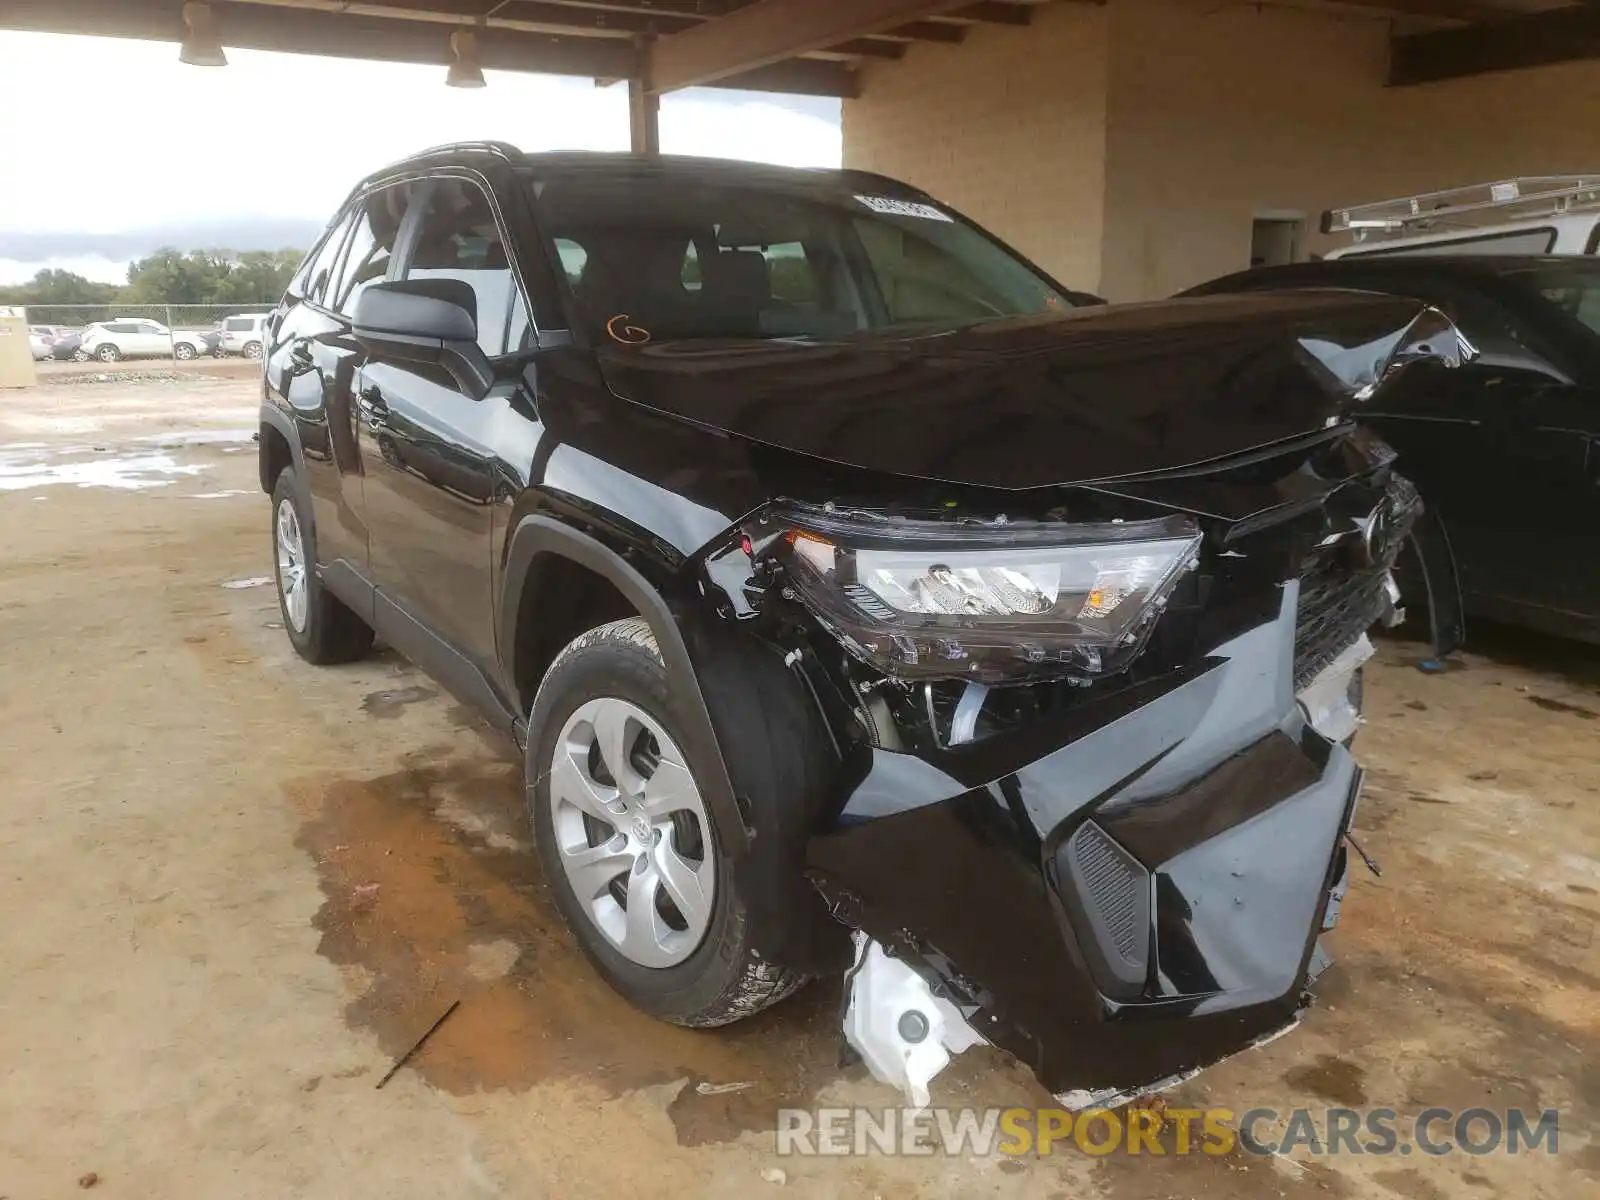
{"type": "Point", "coordinates": [427, 447]}
{"type": "Point", "coordinates": [123, 334]}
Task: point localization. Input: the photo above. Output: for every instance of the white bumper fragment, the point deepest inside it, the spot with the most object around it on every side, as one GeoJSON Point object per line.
{"type": "Point", "coordinates": [903, 1032]}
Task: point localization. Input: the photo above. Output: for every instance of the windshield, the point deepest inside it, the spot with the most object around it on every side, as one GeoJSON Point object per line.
{"type": "Point", "coordinates": [651, 258]}
{"type": "Point", "coordinates": [1573, 287]}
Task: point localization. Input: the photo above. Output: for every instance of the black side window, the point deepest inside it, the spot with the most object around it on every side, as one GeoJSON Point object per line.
{"type": "Point", "coordinates": [459, 240]}
{"type": "Point", "coordinates": [322, 263]}
{"type": "Point", "coordinates": [366, 257]}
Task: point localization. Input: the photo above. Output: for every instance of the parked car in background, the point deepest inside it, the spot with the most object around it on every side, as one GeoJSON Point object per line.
{"type": "Point", "coordinates": [870, 604]}
{"type": "Point", "coordinates": [41, 341]}
{"type": "Point", "coordinates": [241, 334]}
{"type": "Point", "coordinates": [67, 345]}
{"type": "Point", "coordinates": [138, 337]}
{"type": "Point", "coordinates": [1506, 450]}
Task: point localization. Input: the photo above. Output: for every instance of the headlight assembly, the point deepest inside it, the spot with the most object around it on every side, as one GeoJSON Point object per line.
{"type": "Point", "coordinates": [927, 599]}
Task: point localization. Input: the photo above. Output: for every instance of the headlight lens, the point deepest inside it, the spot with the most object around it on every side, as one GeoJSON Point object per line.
{"type": "Point", "coordinates": [932, 599]}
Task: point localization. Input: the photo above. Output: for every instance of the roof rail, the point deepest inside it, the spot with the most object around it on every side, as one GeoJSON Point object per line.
{"type": "Point", "coordinates": [504, 150]}
{"type": "Point", "coordinates": [1505, 200]}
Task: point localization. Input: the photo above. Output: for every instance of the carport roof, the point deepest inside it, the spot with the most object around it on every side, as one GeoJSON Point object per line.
{"type": "Point", "coordinates": [806, 46]}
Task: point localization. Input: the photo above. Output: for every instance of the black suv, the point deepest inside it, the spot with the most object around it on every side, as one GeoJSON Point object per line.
{"type": "Point", "coordinates": [863, 599]}
{"type": "Point", "coordinates": [1525, 417]}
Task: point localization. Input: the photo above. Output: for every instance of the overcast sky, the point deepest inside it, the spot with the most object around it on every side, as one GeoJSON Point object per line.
{"type": "Point", "coordinates": [103, 135]}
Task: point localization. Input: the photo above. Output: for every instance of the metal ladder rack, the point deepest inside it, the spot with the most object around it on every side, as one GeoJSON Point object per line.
{"type": "Point", "coordinates": [1528, 196]}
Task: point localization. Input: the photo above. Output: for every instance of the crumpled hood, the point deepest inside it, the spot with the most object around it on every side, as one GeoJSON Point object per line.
{"type": "Point", "coordinates": [1091, 395]}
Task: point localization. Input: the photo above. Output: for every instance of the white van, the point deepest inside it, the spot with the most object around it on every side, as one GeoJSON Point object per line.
{"type": "Point", "coordinates": [1546, 214]}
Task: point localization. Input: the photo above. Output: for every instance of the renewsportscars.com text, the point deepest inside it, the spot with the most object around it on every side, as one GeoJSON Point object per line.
{"type": "Point", "coordinates": [1262, 1131]}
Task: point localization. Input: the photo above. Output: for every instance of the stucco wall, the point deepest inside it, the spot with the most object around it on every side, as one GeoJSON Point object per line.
{"type": "Point", "coordinates": [1009, 127]}
{"type": "Point", "coordinates": [1128, 148]}
{"type": "Point", "coordinates": [1217, 117]}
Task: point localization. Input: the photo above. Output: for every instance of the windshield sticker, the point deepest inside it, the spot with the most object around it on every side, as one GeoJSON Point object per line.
{"type": "Point", "coordinates": [628, 335]}
{"type": "Point", "coordinates": [903, 208]}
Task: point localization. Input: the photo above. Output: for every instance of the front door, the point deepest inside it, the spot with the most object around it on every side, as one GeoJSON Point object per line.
{"type": "Point", "coordinates": [1499, 450]}
{"type": "Point", "coordinates": [313, 363]}
{"type": "Point", "coordinates": [152, 339]}
{"type": "Point", "coordinates": [1533, 539]}
{"type": "Point", "coordinates": [428, 449]}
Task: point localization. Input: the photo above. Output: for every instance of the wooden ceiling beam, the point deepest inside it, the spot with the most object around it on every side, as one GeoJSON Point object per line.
{"type": "Point", "coordinates": [1539, 39]}
{"type": "Point", "coordinates": [994, 12]}
{"type": "Point", "coordinates": [553, 16]}
{"type": "Point", "coordinates": [929, 31]}
{"type": "Point", "coordinates": [303, 30]}
{"type": "Point", "coordinates": [337, 35]}
{"type": "Point", "coordinates": [1444, 10]}
{"type": "Point", "coordinates": [769, 31]}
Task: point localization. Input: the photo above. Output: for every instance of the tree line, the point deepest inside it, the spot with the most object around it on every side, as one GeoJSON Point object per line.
{"type": "Point", "coordinates": [170, 276]}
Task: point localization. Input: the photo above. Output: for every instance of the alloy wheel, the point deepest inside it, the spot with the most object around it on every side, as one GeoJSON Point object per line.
{"type": "Point", "coordinates": [292, 566]}
{"type": "Point", "coordinates": [631, 830]}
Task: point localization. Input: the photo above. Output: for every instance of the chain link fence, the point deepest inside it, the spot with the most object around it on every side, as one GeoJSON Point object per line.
{"type": "Point", "coordinates": [110, 332]}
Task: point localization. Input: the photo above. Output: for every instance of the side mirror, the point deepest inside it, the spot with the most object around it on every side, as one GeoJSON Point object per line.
{"type": "Point", "coordinates": [426, 321]}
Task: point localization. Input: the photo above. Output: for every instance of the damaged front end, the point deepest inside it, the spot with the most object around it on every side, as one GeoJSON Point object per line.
{"type": "Point", "coordinates": [1094, 778]}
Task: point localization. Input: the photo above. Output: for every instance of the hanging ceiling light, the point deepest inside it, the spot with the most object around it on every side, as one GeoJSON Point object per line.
{"type": "Point", "coordinates": [201, 47]}
{"type": "Point", "coordinates": [464, 69]}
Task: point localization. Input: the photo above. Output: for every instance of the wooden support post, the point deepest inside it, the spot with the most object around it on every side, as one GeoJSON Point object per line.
{"type": "Point", "coordinates": [644, 118]}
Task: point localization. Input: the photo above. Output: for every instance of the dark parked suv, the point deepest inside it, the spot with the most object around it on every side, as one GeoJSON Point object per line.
{"type": "Point", "coordinates": [862, 601]}
{"type": "Point", "coordinates": [1526, 416]}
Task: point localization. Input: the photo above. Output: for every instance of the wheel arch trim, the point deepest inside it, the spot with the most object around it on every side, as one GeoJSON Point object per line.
{"type": "Point", "coordinates": [1441, 579]}
{"type": "Point", "coordinates": [537, 535]}
{"type": "Point", "coordinates": [277, 419]}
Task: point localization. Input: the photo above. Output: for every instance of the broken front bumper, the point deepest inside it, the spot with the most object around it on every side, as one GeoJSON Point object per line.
{"type": "Point", "coordinates": [1124, 895]}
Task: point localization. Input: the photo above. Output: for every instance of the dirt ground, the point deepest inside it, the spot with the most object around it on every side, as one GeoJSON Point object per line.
{"type": "Point", "coordinates": [236, 887]}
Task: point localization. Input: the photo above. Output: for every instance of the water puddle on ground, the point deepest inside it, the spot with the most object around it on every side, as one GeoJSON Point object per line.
{"type": "Point", "coordinates": [34, 467]}
{"type": "Point", "coordinates": [392, 701]}
{"type": "Point", "coordinates": [139, 464]}
{"type": "Point", "coordinates": [433, 894]}
{"type": "Point", "coordinates": [179, 439]}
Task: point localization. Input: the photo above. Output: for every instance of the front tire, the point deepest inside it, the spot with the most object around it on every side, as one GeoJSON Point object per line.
{"type": "Point", "coordinates": [108, 353]}
{"type": "Point", "coordinates": [321, 628]}
{"type": "Point", "coordinates": [621, 822]}
{"type": "Point", "coordinates": [183, 352]}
